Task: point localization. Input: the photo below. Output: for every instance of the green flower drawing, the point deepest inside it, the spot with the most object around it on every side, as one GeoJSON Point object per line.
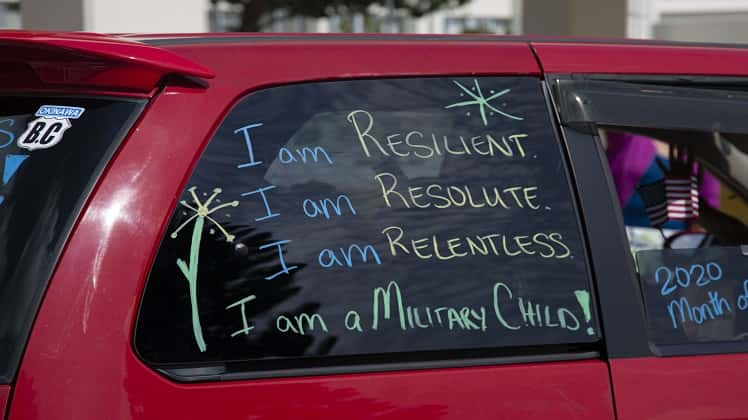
{"type": "Point", "coordinates": [478, 99]}
{"type": "Point", "coordinates": [202, 211]}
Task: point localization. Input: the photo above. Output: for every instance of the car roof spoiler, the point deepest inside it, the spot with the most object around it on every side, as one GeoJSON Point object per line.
{"type": "Point", "coordinates": [87, 61]}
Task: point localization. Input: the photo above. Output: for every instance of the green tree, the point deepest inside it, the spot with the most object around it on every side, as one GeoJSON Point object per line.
{"type": "Point", "coordinates": [257, 14]}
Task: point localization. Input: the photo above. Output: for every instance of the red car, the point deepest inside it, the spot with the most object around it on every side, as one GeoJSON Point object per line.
{"type": "Point", "coordinates": [245, 226]}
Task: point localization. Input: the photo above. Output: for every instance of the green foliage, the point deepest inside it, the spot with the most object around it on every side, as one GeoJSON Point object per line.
{"type": "Point", "coordinates": [479, 30]}
{"type": "Point", "coordinates": [259, 13]}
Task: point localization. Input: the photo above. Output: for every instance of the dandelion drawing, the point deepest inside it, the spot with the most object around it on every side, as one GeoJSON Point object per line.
{"type": "Point", "coordinates": [478, 99]}
{"type": "Point", "coordinates": [202, 211]}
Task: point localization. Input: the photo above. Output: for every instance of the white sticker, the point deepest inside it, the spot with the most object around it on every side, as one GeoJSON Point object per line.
{"type": "Point", "coordinates": [60, 111]}
{"type": "Point", "coordinates": [43, 133]}
{"type": "Point", "coordinates": [47, 130]}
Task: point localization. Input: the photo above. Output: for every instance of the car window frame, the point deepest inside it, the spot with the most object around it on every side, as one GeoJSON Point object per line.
{"type": "Point", "coordinates": [369, 363]}
{"type": "Point", "coordinates": [139, 105]}
{"type": "Point", "coordinates": [627, 334]}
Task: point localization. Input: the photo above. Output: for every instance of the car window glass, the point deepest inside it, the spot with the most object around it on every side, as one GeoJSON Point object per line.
{"type": "Point", "coordinates": [372, 217]}
{"type": "Point", "coordinates": [683, 199]}
{"type": "Point", "coordinates": [52, 150]}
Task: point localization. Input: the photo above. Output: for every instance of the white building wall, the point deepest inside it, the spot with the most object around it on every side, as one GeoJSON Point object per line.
{"type": "Point", "coordinates": [120, 16]}
{"type": "Point", "coordinates": [585, 18]}
{"type": "Point", "coordinates": [688, 20]}
{"type": "Point", "coordinates": [116, 16]}
{"type": "Point", "coordinates": [698, 6]}
{"type": "Point", "coordinates": [706, 20]}
{"type": "Point", "coordinates": [10, 16]}
{"type": "Point", "coordinates": [53, 15]}
{"type": "Point", "coordinates": [640, 16]}
{"type": "Point", "coordinates": [491, 9]}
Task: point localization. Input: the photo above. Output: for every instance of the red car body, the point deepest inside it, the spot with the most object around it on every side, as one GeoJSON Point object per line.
{"type": "Point", "coordinates": [79, 361]}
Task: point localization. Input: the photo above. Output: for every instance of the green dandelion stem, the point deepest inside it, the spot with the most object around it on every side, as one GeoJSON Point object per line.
{"type": "Point", "coordinates": [190, 274]}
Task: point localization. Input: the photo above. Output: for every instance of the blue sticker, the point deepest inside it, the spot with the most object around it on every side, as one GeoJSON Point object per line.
{"type": "Point", "coordinates": [59, 111]}
{"type": "Point", "coordinates": [12, 163]}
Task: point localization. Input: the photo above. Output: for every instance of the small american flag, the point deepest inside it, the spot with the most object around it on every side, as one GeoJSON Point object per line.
{"type": "Point", "coordinates": [676, 195]}
{"type": "Point", "coordinates": [682, 196]}
{"type": "Point", "coordinates": [655, 202]}
{"type": "Point", "coordinates": [682, 185]}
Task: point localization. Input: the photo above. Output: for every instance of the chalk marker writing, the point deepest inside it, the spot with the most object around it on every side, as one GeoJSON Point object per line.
{"type": "Point", "coordinates": [544, 245]}
{"type": "Point", "coordinates": [248, 142]}
{"type": "Point", "coordinates": [246, 328]}
{"type": "Point", "coordinates": [9, 135]}
{"type": "Point", "coordinates": [743, 297]}
{"type": "Point", "coordinates": [261, 191]}
{"type": "Point", "coordinates": [389, 303]}
{"type": "Point", "coordinates": [300, 324]}
{"type": "Point", "coordinates": [534, 315]}
{"type": "Point", "coordinates": [583, 297]}
{"type": "Point", "coordinates": [443, 196]}
{"type": "Point", "coordinates": [483, 102]}
{"type": "Point", "coordinates": [202, 211]}
{"type": "Point", "coordinates": [284, 268]}
{"type": "Point", "coordinates": [303, 155]}
{"type": "Point", "coordinates": [328, 258]}
{"type": "Point", "coordinates": [682, 311]}
{"type": "Point", "coordinates": [326, 206]}
{"type": "Point", "coordinates": [497, 306]}
{"type": "Point", "coordinates": [426, 146]}
{"type": "Point", "coordinates": [539, 315]}
{"type": "Point", "coordinates": [673, 278]}
{"type": "Point", "coordinates": [353, 321]}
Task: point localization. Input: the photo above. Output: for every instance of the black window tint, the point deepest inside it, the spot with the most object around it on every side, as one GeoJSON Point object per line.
{"type": "Point", "coordinates": [371, 217]}
{"type": "Point", "coordinates": [52, 150]}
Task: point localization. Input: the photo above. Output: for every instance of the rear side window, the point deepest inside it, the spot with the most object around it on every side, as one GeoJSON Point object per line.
{"type": "Point", "coordinates": [52, 150]}
{"type": "Point", "coordinates": [684, 204]}
{"type": "Point", "coordinates": [355, 221]}
{"type": "Point", "coordinates": [677, 154]}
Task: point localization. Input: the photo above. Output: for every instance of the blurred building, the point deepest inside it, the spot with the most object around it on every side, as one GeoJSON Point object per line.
{"type": "Point", "coordinates": [114, 16]}
{"type": "Point", "coordinates": [10, 14]}
{"type": "Point", "coordinates": [478, 16]}
{"type": "Point", "coordinates": [689, 20]}
{"type": "Point", "coordinates": [601, 18]}
{"type": "Point", "coordinates": [693, 20]}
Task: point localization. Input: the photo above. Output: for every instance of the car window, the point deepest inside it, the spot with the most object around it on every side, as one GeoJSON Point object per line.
{"type": "Point", "coordinates": [52, 150]}
{"type": "Point", "coordinates": [683, 197]}
{"type": "Point", "coordinates": [350, 221]}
